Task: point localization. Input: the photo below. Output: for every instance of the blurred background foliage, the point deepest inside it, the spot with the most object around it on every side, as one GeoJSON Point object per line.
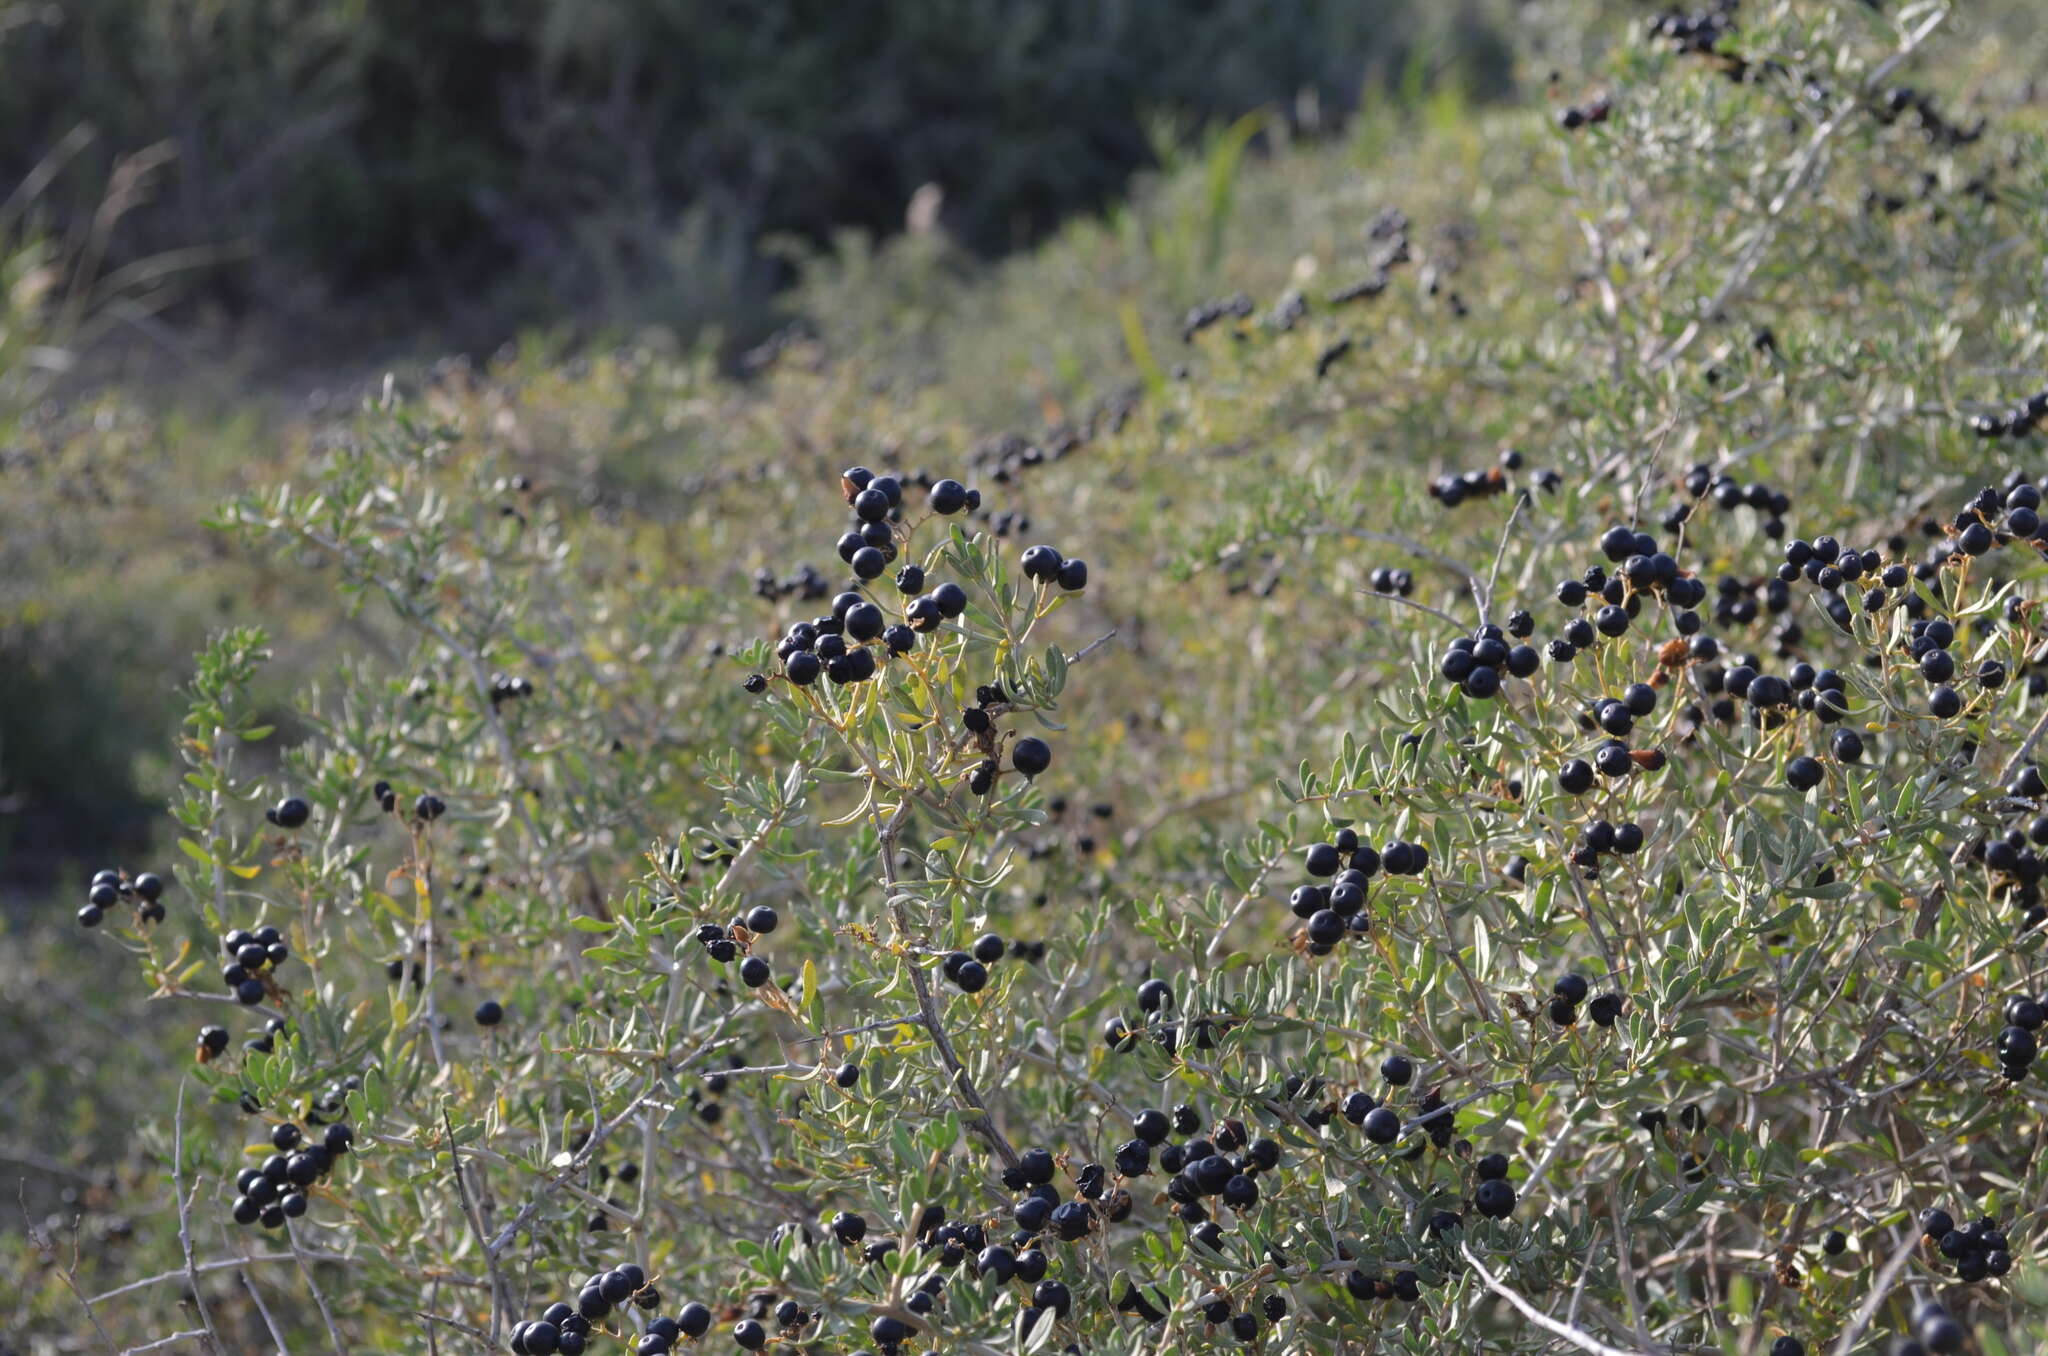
{"type": "Point", "coordinates": [377, 171]}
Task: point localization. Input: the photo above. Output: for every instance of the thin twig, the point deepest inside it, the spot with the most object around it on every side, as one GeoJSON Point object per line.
{"type": "Point", "coordinates": [42, 1244]}
{"type": "Point", "coordinates": [1499, 554]}
{"type": "Point", "coordinates": [928, 1012]}
{"type": "Point", "coordinates": [1537, 1316]}
{"type": "Point", "coordinates": [185, 1217]}
{"type": "Point", "coordinates": [192, 1336]}
{"type": "Point", "coordinates": [478, 1333]}
{"type": "Point", "coordinates": [598, 1132]}
{"type": "Point", "coordinates": [1886, 1279]}
{"type": "Point", "coordinates": [306, 1270]}
{"type": "Point", "coordinates": [1092, 646]}
{"type": "Point", "coordinates": [476, 1223]}
{"type": "Point", "coordinates": [256, 1298]}
{"type": "Point", "coordinates": [226, 1264]}
{"type": "Point", "coordinates": [1419, 607]}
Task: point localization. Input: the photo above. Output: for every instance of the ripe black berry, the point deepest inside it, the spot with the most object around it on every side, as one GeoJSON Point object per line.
{"type": "Point", "coordinates": [1494, 1198]}
{"type": "Point", "coordinates": [488, 1013]}
{"type": "Point", "coordinates": [1803, 773]}
{"type": "Point", "coordinates": [1031, 756]}
{"type": "Point", "coordinates": [1042, 563]}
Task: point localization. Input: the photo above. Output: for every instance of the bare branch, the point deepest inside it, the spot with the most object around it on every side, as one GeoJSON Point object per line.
{"type": "Point", "coordinates": [1537, 1316]}
{"type": "Point", "coordinates": [185, 1217]}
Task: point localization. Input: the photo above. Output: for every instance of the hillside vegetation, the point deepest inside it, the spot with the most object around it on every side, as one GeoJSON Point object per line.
{"type": "Point", "coordinates": [1523, 836]}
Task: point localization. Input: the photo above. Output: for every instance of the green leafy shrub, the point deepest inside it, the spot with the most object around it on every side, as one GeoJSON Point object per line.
{"type": "Point", "coordinates": [1744, 1006]}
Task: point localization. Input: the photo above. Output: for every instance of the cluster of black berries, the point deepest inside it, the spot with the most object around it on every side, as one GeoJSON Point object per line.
{"type": "Point", "coordinates": [2021, 419]}
{"type": "Point", "coordinates": [505, 688]}
{"type": "Point", "coordinates": [213, 1041]}
{"type": "Point", "coordinates": [1455, 487]}
{"type": "Point", "coordinates": [1641, 573]}
{"type": "Point", "coordinates": [1570, 991]}
{"type": "Point", "coordinates": [1725, 492]}
{"type": "Point", "coordinates": [1832, 567]}
{"type": "Point", "coordinates": [1387, 579]}
{"type": "Point", "coordinates": [1934, 1330]}
{"type": "Point", "coordinates": [1040, 1209]}
{"type": "Point", "coordinates": [1201, 317]}
{"type": "Point", "coordinates": [145, 892]}
{"type": "Point", "coordinates": [1978, 1250]}
{"type": "Point", "coordinates": [1155, 997]}
{"type": "Point", "coordinates": [1048, 567]}
{"type": "Point", "coordinates": [1735, 604]}
{"type": "Point", "coordinates": [806, 584]}
{"type": "Point", "coordinates": [1029, 755]}
{"type": "Point", "coordinates": [1602, 838]}
{"type": "Point", "coordinates": [2016, 866]}
{"type": "Point", "coordinates": [1348, 863]}
{"type": "Point", "coordinates": [1928, 645]}
{"type": "Point", "coordinates": [1477, 663]}
{"type": "Point", "coordinates": [715, 1085]}
{"type": "Point", "coordinates": [968, 970]}
{"type": "Point", "coordinates": [289, 813]}
{"type": "Point", "coordinates": [426, 807]}
{"type": "Point", "coordinates": [2017, 1045]}
{"type": "Point", "coordinates": [840, 646]}
{"type": "Point", "coordinates": [723, 943]}
{"type": "Point", "coordinates": [837, 645]}
{"type": "Point", "coordinates": [567, 1329]}
{"type": "Point", "coordinates": [1695, 33]}
{"type": "Point", "coordinates": [1225, 1165]}
{"type": "Point", "coordinates": [1404, 1285]}
{"type": "Point", "coordinates": [1380, 1122]}
{"type": "Point", "coordinates": [1215, 1309]}
{"type": "Point", "coordinates": [1613, 759]}
{"type": "Point", "coordinates": [1991, 520]}
{"type": "Point", "coordinates": [252, 959]}
{"type": "Point", "coordinates": [1903, 99]}
{"type": "Point", "coordinates": [1589, 114]}
{"type": "Point", "coordinates": [1492, 1196]}
{"type": "Point", "coordinates": [1771, 699]}
{"type": "Point", "coordinates": [275, 1192]}
{"type": "Point", "coordinates": [1006, 456]}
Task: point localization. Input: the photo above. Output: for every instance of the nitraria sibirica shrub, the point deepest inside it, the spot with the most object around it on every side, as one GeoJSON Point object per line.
{"type": "Point", "coordinates": [1249, 865]}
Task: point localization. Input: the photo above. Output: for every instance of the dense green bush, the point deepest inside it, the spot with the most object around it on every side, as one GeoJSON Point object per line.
{"type": "Point", "coordinates": [1732, 314]}
{"type": "Point", "coordinates": [355, 168]}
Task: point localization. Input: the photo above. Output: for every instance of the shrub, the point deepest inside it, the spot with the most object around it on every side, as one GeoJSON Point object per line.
{"type": "Point", "coordinates": [1533, 823]}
